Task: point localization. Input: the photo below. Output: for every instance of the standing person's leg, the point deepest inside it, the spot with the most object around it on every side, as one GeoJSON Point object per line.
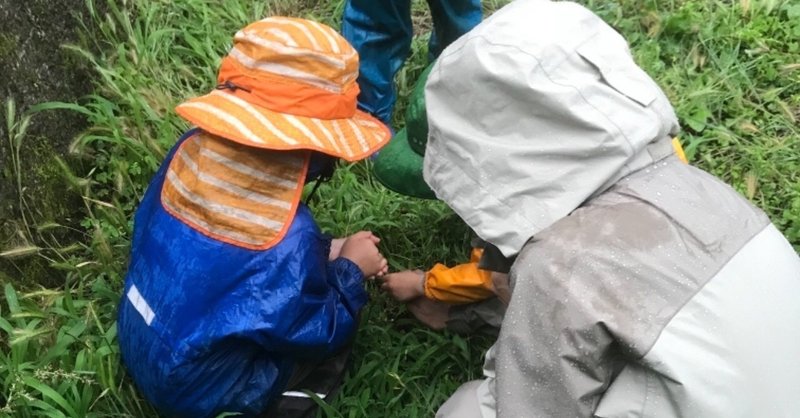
{"type": "Point", "coordinates": [451, 19]}
{"type": "Point", "coordinates": [381, 31]}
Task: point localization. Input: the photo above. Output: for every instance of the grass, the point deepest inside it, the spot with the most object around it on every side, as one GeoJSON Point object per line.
{"type": "Point", "coordinates": [732, 69]}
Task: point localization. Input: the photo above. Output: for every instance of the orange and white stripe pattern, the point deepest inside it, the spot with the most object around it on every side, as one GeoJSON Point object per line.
{"type": "Point", "coordinates": [289, 84]}
{"type": "Point", "coordinates": [234, 193]}
{"type": "Point", "coordinates": [299, 50]}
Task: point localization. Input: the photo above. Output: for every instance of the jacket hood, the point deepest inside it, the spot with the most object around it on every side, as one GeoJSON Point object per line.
{"type": "Point", "coordinates": [534, 111]}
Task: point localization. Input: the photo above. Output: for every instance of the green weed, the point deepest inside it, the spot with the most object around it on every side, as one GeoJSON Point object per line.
{"type": "Point", "coordinates": [732, 69]}
{"type": "Point", "coordinates": [732, 72]}
{"type": "Point", "coordinates": [32, 236]}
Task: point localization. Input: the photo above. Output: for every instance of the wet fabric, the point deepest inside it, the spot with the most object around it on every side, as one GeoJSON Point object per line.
{"type": "Point", "coordinates": [230, 193]}
{"type": "Point", "coordinates": [653, 300]}
{"type": "Point", "coordinates": [642, 287]}
{"type": "Point", "coordinates": [474, 399]}
{"type": "Point", "coordinates": [289, 84]}
{"type": "Point", "coordinates": [584, 97]}
{"type": "Point", "coordinates": [464, 283]}
{"type": "Point", "coordinates": [207, 326]}
{"type": "Point", "coordinates": [381, 32]}
{"type": "Point", "coordinates": [399, 165]}
{"type": "Point", "coordinates": [464, 403]}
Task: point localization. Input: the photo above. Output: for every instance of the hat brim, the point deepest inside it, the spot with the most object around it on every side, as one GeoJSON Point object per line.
{"type": "Point", "coordinates": [399, 168]}
{"type": "Point", "coordinates": [226, 115]}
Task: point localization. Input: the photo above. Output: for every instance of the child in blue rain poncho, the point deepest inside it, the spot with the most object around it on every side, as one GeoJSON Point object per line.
{"type": "Point", "coordinates": [233, 296]}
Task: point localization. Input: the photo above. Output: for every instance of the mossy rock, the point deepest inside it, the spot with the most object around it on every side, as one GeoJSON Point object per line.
{"type": "Point", "coordinates": [36, 69]}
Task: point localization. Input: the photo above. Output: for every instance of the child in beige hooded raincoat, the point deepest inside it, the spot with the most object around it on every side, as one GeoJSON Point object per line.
{"type": "Point", "coordinates": [642, 287]}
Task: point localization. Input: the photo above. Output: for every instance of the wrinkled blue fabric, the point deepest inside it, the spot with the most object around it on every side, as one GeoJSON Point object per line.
{"type": "Point", "coordinates": [230, 323]}
{"type": "Point", "coordinates": [381, 32]}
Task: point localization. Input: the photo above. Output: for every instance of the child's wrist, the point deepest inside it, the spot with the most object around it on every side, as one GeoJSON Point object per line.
{"type": "Point", "coordinates": [422, 277]}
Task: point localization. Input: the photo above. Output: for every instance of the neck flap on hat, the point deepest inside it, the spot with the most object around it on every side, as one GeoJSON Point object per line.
{"type": "Point", "coordinates": [234, 193]}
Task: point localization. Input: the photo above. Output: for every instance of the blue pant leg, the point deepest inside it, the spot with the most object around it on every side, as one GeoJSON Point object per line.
{"type": "Point", "coordinates": [451, 19]}
{"type": "Point", "coordinates": [381, 31]}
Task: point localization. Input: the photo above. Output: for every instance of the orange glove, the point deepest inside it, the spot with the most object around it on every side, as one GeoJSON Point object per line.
{"type": "Point", "coordinates": [464, 283]}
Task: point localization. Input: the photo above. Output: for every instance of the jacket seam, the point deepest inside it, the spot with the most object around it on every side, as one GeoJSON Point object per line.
{"type": "Point", "coordinates": [694, 294]}
{"type": "Point", "coordinates": [547, 74]}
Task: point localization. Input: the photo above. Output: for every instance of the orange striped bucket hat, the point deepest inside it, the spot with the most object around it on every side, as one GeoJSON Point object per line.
{"type": "Point", "coordinates": [289, 84]}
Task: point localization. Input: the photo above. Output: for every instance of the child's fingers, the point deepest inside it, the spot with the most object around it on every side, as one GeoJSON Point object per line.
{"type": "Point", "coordinates": [384, 270]}
{"type": "Point", "coordinates": [361, 235]}
{"type": "Point", "coordinates": [367, 235]}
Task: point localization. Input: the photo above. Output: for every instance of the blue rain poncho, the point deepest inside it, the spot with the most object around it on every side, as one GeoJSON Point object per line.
{"type": "Point", "coordinates": [206, 326]}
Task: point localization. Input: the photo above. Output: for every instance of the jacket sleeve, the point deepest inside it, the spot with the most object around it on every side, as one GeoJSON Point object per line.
{"type": "Point", "coordinates": [552, 344]}
{"type": "Point", "coordinates": [464, 283]}
{"type": "Point", "coordinates": [311, 308]}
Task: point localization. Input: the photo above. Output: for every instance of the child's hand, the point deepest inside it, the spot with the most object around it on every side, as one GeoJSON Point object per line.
{"type": "Point", "coordinates": [362, 249]}
{"type": "Point", "coordinates": [405, 285]}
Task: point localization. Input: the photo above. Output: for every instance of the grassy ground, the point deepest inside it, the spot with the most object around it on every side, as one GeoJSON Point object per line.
{"type": "Point", "coordinates": [732, 71]}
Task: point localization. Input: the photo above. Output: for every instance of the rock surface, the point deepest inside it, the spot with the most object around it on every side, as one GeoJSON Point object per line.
{"type": "Point", "coordinates": [36, 68]}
